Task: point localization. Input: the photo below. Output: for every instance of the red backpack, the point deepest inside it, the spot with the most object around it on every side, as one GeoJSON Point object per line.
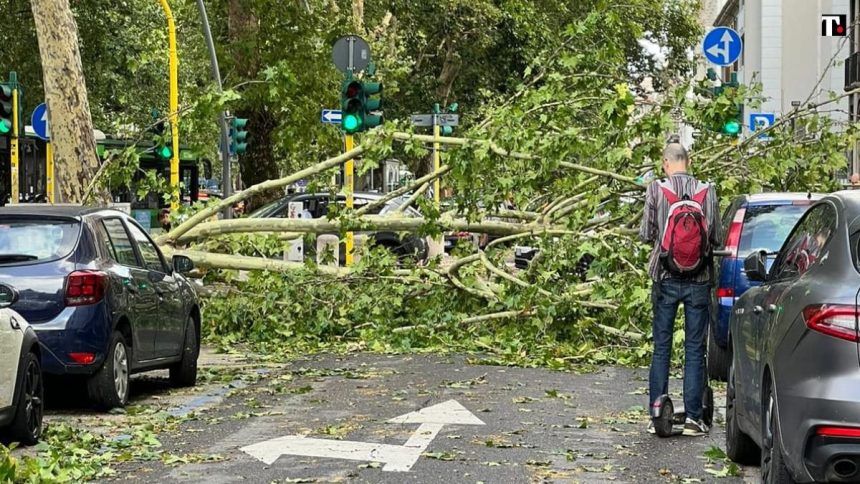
{"type": "Point", "coordinates": [684, 249]}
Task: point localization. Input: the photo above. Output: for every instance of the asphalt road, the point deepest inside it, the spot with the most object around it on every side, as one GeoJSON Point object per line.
{"type": "Point", "coordinates": [538, 426]}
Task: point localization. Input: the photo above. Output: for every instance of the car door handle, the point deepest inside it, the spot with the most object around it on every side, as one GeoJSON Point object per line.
{"type": "Point", "coordinates": [757, 309]}
{"type": "Point", "coordinates": [771, 308]}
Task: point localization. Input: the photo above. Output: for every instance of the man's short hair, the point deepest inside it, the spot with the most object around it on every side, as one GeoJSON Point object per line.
{"type": "Point", "coordinates": [675, 153]}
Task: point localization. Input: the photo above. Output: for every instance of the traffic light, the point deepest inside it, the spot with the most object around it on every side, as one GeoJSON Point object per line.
{"type": "Point", "coordinates": [5, 110]}
{"type": "Point", "coordinates": [352, 105]}
{"type": "Point", "coordinates": [372, 106]}
{"type": "Point", "coordinates": [449, 130]}
{"type": "Point", "coordinates": [360, 111]}
{"type": "Point", "coordinates": [238, 136]}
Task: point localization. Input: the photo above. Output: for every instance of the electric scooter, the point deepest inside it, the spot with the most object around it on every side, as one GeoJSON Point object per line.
{"type": "Point", "coordinates": [663, 410]}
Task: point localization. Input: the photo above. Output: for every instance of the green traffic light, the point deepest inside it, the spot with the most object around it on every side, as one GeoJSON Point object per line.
{"type": "Point", "coordinates": [351, 123]}
{"type": "Point", "coordinates": [732, 127]}
{"type": "Point", "coordinates": [5, 126]}
{"type": "Point", "coordinates": [166, 152]}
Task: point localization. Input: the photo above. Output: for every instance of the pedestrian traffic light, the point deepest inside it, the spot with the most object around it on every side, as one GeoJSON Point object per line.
{"type": "Point", "coordinates": [351, 103]}
{"type": "Point", "coordinates": [5, 110]}
{"type": "Point", "coordinates": [238, 136]}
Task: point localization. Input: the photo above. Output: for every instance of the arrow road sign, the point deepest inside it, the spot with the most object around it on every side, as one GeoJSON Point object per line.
{"type": "Point", "coordinates": [39, 121]}
{"type": "Point", "coordinates": [722, 46]}
{"type": "Point", "coordinates": [761, 121]}
{"type": "Point", "coordinates": [331, 116]}
{"type": "Point", "coordinates": [441, 119]}
{"type": "Point", "coordinates": [397, 458]}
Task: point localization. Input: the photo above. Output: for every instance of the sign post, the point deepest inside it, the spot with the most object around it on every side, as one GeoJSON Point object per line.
{"type": "Point", "coordinates": [42, 129]}
{"type": "Point", "coordinates": [349, 184]}
{"type": "Point", "coordinates": [13, 156]}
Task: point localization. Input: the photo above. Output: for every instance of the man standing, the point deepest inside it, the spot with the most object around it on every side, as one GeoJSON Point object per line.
{"type": "Point", "coordinates": [681, 220]}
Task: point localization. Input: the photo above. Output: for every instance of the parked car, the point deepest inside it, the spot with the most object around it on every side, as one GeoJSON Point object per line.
{"type": "Point", "coordinates": [793, 396]}
{"type": "Point", "coordinates": [751, 222]}
{"type": "Point", "coordinates": [21, 389]}
{"type": "Point", "coordinates": [101, 297]}
{"type": "Point", "coordinates": [316, 205]}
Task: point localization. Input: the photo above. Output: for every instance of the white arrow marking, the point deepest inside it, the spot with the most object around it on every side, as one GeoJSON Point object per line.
{"type": "Point", "coordinates": [726, 40]}
{"type": "Point", "coordinates": [332, 116]}
{"type": "Point", "coordinates": [45, 119]}
{"type": "Point", "coordinates": [397, 458]}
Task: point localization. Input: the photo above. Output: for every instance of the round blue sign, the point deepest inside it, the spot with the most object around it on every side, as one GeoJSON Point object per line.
{"type": "Point", "coordinates": [722, 46]}
{"type": "Point", "coordinates": [39, 121]}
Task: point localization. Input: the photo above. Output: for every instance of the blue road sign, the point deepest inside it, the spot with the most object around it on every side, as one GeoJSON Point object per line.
{"type": "Point", "coordinates": [761, 121]}
{"type": "Point", "coordinates": [722, 46]}
{"type": "Point", "coordinates": [39, 121]}
{"type": "Point", "coordinates": [331, 116]}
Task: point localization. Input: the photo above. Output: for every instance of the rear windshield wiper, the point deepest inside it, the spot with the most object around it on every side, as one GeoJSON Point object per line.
{"type": "Point", "coordinates": [17, 258]}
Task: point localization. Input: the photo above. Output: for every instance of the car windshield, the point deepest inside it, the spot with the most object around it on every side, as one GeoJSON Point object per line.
{"type": "Point", "coordinates": [268, 209]}
{"type": "Point", "coordinates": [767, 226]}
{"type": "Point", "coordinates": [23, 241]}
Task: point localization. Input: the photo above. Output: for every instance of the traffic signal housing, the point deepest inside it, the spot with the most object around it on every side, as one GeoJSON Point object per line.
{"type": "Point", "coordinates": [360, 112]}
{"type": "Point", "coordinates": [449, 130]}
{"type": "Point", "coordinates": [238, 136]}
{"type": "Point", "coordinates": [6, 112]}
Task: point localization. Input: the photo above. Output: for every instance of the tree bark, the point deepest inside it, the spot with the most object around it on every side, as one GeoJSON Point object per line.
{"type": "Point", "coordinates": [75, 157]}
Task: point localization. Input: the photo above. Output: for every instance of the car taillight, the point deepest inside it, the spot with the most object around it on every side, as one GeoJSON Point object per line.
{"type": "Point", "coordinates": [838, 432]}
{"type": "Point", "coordinates": [85, 287]}
{"type": "Point", "coordinates": [83, 358]}
{"type": "Point", "coordinates": [734, 237]}
{"type": "Point", "coordinates": [839, 321]}
{"type": "Point", "coordinates": [725, 292]}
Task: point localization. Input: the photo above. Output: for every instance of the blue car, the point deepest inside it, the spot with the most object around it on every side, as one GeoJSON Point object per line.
{"type": "Point", "coordinates": [755, 222]}
{"type": "Point", "coordinates": [101, 297]}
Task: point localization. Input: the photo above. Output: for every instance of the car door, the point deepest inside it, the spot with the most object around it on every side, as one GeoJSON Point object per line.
{"type": "Point", "coordinates": [801, 251]}
{"type": "Point", "coordinates": [170, 314]}
{"type": "Point", "coordinates": [127, 267]}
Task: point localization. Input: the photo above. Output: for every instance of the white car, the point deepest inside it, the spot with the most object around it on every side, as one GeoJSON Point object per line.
{"type": "Point", "coordinates": [21, 388]}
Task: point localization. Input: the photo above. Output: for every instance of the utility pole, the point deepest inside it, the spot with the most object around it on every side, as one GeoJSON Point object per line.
{"type": "Point", "coordinates": [226, 171]}
{"type": "Point", "coordinates": [174, 105]}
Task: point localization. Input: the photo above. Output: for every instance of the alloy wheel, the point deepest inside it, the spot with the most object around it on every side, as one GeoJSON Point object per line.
{"type": "Point", "coordinates": [33, 399]}
{"type": "Point", "coordinates": [767, 442]}
{"type": "Point", "coordinates": [120, 371]}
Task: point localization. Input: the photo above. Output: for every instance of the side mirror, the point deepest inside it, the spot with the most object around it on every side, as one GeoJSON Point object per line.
{"type": "Point", "coordinates": [182, 264]}
{"type": "Point", "coordinates": [8, 296]}
{"type": "Point", "coordinates": [755, 266]}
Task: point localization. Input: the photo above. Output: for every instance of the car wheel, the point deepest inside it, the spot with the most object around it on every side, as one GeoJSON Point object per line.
{"type": "Point", "coordinates": [773, 469]}
{"type": "Point", "coordinates": [108, 388]}
{"type": "Point", "coordinates": [26, 428]}
{"type": "Point", "coordinates": [718, 359]}
{"type": "Point", "coordinates": [739, 446]}
{"type": "Point", "coordinates": [184, 373]}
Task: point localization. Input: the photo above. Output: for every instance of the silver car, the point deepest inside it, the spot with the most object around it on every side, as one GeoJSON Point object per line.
{"type": "Point", "coordinates": [793, 399]}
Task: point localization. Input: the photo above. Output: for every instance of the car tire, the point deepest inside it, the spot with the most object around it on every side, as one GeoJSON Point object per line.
{"type": "Point", "coordinates": [109, 387]}
{"type": "Point", "coordinates": [739, 446]}
{"type": "Point", "coordinates": [719, 359]}
{"type": "Point", "coordinates": [773, 468]}
{"type": "Point", "coordinates": [26, 427]}
{"type": "Point", "coordinates": [184, 373]}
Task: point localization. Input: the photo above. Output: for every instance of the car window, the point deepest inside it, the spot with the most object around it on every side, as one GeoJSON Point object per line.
{"type": "Point", "coordinates": [25, 241]}
{"type": "Point", "coordinates": [150, 254]}
{"type": "Point", "coordinates": [767, 226]}
{"type": "Point", "coordinates": [119, 244]}
{"type": "Point", "coordinates": [808, 240]}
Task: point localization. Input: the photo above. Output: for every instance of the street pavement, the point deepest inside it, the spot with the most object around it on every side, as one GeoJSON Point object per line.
{"type": "Point", "coordinates": [459, 422]}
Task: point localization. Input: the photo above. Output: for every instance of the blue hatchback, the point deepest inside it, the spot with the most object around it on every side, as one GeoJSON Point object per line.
{"type": "Point", "coordinates": [760, 221]}
{"type": "Point", "coordinates": [101, 296]}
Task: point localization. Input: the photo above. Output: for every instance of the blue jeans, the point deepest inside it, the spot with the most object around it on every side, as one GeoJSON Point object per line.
{"type": "Point", "coordinates": [665, 297]}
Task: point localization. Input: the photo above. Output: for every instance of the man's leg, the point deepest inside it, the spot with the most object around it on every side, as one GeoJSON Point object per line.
{"type": "Point", "coordinates": [696, 316]}
{"type": "Point", "coordinates": [664, 300]}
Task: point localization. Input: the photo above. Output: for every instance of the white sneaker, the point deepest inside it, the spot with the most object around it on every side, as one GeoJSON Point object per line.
{"type": "Point", "coordinates": [695, 428]}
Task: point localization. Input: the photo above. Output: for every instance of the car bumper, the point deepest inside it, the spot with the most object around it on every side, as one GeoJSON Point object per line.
{"type": "Point", "coordinates": [806, 405]}
{"type": "Point", "coordinates": [83, 329]}
{"type": "Point", "coordinates": [724, 314]}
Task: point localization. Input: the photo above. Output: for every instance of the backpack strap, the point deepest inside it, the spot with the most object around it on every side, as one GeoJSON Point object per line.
{"type": "Point", "coordinates": [700, 196]}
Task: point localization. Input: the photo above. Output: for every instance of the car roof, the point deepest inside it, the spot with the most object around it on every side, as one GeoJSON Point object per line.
{"type": "Point", "coordinates": [782, 196]}
{"type": "Point", "coordinates": [54, 210]}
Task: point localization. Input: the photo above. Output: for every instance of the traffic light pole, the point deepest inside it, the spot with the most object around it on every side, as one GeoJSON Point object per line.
{"type": "Point", "coordinates": [49, 171]}
{"type": "Point", "coordinates": [437, 196]}
{"type": "Point", "coordinates": [349, 185]}
{"type": "Point", "coordinates": [174, 105]}
{"type": "Point", "coordinates": [14, 144]}
{"type": "Point", "coordinates": [226, 168]}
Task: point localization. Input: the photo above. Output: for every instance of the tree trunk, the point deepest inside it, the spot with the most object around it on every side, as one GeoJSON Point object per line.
{"type": "Point", "coordinates": [75, 157]}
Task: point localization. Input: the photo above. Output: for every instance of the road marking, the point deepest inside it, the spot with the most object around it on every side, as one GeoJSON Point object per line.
{"type": "Point", "coordinates": [397, 458]}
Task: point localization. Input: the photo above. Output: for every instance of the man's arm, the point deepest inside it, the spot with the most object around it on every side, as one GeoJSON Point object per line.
{"type": "Point", "coordinates": [648, 228]}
